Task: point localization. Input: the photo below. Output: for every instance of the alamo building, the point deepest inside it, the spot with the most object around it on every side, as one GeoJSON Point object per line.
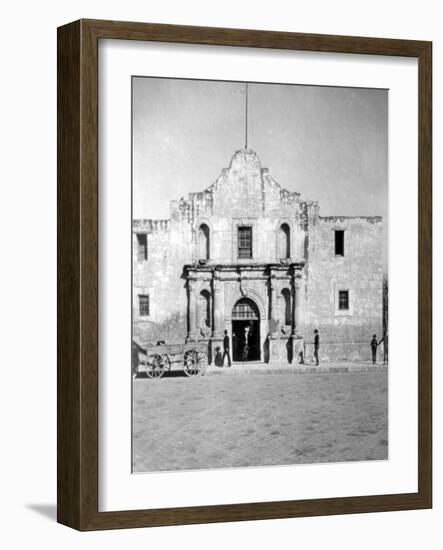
{"type": "Point", "coordinates": [248, 256]}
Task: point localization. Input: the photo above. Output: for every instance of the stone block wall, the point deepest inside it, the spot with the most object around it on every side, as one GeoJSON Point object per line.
{"type": "Point", "coordinates": [246, 194]}
{"type": "Point", "coordinates": [344, 335]}
{"type": "Point", "coordinates": [161, 278]}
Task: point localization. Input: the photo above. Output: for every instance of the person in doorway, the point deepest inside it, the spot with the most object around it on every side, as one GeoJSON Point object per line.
{"type": "Point", "coordinates": [226, 349]}
{"type": "Point", "coordinates": [245, 349]}
{"type": "Point", "coordinates": [374, 345]}
{"type": "Point", "coordinates": [316, 346]}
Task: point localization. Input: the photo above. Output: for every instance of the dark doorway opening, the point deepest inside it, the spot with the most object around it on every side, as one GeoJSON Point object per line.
{"type": "Point", "coordinates": [245, 331]}
{"type": "Point", "coordinates": [246, 340]}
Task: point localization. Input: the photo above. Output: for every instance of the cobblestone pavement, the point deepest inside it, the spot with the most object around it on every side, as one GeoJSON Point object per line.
{"type": "Point", "coordinates": [182, 423]}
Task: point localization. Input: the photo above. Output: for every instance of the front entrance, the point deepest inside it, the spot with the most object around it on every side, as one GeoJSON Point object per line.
{"type": "Point", "coordinates": [245, 331]}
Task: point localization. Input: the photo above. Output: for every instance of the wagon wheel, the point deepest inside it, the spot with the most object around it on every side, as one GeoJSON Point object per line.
{"type": "Point", "coordinates": [156, 365]}
{"type": "Point", "coordinates": [194, 363]}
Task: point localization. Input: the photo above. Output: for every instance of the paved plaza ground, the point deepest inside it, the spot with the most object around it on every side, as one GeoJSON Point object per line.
{"type": "Point", "coordinates": [251, 419]}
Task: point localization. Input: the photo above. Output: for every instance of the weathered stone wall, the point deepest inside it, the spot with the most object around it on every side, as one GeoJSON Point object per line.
{"type": "Point", "coordinates": [344, 335]}
{"type": "Point", "coordinates": [246, 194]}
{"type": "Point", "coordinates": [161, 277]}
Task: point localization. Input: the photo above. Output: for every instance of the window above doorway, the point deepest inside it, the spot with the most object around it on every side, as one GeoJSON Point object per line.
{"type": "Point", "coordinates": [245, 242]}
{"type": "Point", "coordinates": [245, 309]}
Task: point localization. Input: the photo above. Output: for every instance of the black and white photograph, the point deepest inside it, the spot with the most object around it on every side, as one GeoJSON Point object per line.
{"type": "Point", "coordinates": [218, 264]}
{"type": "Point", "coordinates": [259, 274]}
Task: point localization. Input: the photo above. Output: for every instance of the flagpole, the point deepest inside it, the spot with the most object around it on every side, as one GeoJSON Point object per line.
{"type": "Point", "coordinates": [246, 117]}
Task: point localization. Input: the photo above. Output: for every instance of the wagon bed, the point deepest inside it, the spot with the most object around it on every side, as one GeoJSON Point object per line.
{"type": "Point", "coordinates": [155, 359]}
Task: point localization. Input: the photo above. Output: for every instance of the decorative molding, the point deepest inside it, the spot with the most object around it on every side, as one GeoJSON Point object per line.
{"type": "Point", "coordinates": [254, 295]}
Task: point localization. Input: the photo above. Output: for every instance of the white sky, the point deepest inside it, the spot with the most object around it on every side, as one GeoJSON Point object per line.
{"type": "Point", "coordinates": [329, 144]}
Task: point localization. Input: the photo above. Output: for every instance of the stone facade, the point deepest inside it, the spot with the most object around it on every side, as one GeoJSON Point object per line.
{"type": "Point", "coordinates": [253, 258]}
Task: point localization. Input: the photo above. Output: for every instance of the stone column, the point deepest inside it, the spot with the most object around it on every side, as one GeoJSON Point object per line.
{"type": "Point", "coordinates": [274, 309]}
{"type": "Point", "coordinates": [198, 312]}
{"type": "Point", "coordinates": [218, 307]}
{"type": "Point", "coordinates": [298, 314]}
{"type": "Point", "coordinates": [192, 328]}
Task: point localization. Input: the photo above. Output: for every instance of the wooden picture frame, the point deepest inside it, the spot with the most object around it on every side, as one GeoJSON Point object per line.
{"type": "Point", "coordinates": [78, 274]}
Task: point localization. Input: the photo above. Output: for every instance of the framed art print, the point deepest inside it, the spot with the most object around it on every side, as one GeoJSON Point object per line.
{"type": "Point", "coordinates": [244, 276]}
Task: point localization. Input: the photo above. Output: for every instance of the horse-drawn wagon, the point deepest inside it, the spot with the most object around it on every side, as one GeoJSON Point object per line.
{"type": "Point", "coordinates": [156, 359]}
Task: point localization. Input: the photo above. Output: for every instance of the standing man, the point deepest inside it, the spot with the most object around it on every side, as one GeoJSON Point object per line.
{"type": "Point", "coordinates": [374, 349]}
{"type": "Point", "coordinates": [316, 346]}
{"type": "Point", "coordinates": [226, 349]}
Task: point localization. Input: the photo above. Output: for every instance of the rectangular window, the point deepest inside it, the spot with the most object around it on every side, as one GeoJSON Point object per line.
{"type": "Point", "coordinates": [142, 247]}
{"type": "Point", "coordinates": [143, 303]}
{"type": "Point", "coordinates": [245, 242]}
{"type": "Point", "coordinates": [343, 300]}
{"type": "Point", "coordinates": [339, 243]}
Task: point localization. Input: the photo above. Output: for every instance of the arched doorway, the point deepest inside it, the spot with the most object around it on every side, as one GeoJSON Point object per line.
{"type": "Point", "coordinates": [245, 331]}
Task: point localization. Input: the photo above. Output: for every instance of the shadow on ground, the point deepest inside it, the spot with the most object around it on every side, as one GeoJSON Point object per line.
{"type": "Point", "coordinates": [49, 511]}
